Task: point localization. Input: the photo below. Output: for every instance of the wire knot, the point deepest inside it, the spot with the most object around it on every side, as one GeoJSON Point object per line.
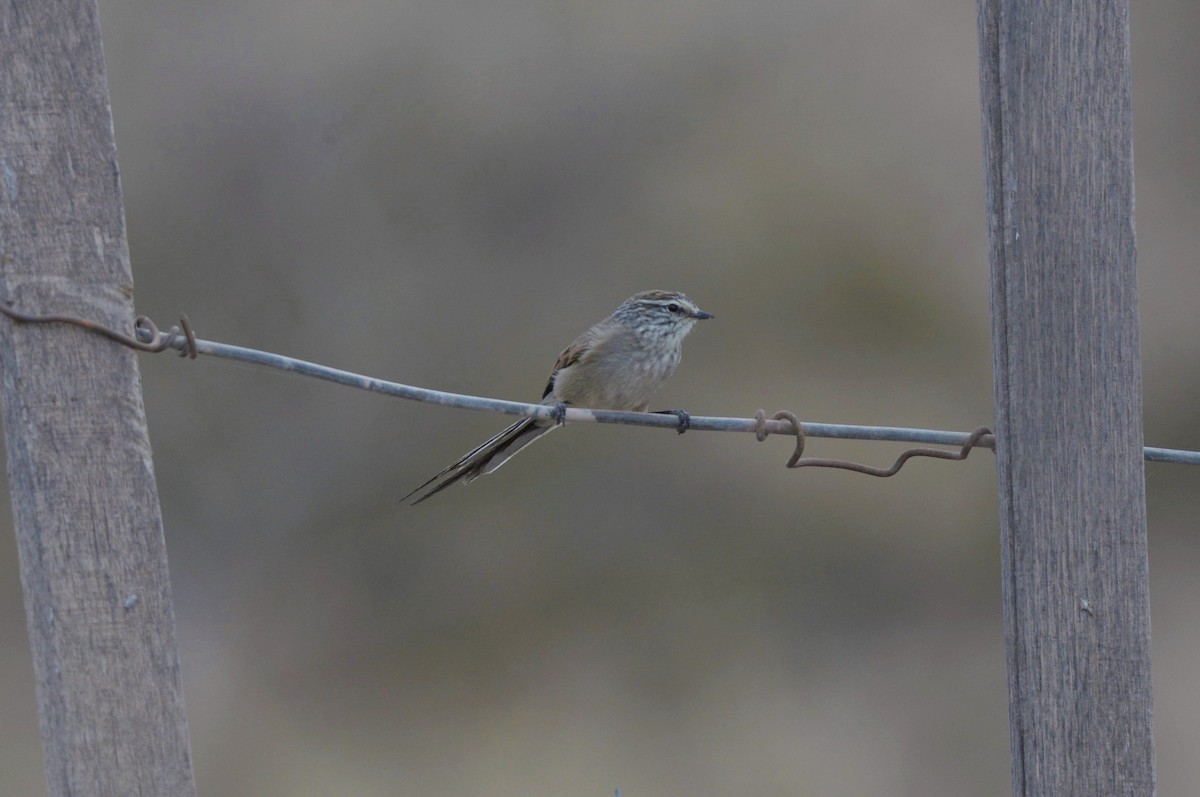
{"type": "Point", "coordinates": [144, 326]}
{"type": "Point", "coordinates": [761, 432]}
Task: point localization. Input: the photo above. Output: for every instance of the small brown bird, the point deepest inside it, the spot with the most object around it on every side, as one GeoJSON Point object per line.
{"type": "Point", "coordinates": [618, 364]}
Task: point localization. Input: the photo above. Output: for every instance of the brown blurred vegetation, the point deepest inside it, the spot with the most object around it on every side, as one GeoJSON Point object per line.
{"type": "Point", "coordinates": [445, 193]}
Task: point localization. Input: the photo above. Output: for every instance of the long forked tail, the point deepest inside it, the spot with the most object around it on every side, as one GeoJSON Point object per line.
{"type": "Point", "coordinates": [485, 458]}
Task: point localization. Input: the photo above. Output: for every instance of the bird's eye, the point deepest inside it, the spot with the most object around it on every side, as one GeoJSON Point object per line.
{"type": "Point", "coordinates": [674, 308]}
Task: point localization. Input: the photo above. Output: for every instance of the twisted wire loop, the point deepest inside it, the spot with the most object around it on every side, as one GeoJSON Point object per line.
{"type": "Point", "coordinates": [797, 460]}
{"type": "Point", "coordinates": [143, 327]}
{"type": "Point", "coordinates": [760, 432]}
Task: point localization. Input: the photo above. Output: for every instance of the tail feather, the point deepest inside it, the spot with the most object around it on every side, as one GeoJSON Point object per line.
{"type": "Point", "coordinates": [485, 458]}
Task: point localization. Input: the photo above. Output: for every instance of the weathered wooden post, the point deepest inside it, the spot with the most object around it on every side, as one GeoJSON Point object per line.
{"type": "Point", "coordinates": [1057, 128]}
{"type": "Point", "coordinates": [89, 530]}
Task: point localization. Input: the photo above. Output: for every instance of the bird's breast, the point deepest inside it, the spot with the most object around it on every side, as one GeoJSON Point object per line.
{"type": "Point", "coordinates": [616, 383]}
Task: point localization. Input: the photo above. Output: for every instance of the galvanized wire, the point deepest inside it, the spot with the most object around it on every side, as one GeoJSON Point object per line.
{"type": "Point", "coordinates": [575, 415]}
{"type": "Point", "coordinates": [147, 337]}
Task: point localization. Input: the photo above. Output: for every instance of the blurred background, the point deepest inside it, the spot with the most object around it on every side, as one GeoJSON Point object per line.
{"type": "Point", "coordinates": [445, 193]}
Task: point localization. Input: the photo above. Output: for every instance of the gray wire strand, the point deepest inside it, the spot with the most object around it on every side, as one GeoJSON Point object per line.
{"type": "Point", "coordinates": [574, 415]}
{"type": "Point", "coordinates": [182, 338]}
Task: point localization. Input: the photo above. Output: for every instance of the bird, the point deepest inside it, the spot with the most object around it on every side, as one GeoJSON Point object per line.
{"type": "Point", "coordinates": [617, 364]}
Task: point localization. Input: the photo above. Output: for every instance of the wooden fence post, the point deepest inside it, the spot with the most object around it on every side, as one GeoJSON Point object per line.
{"type": "Point", "coordinates": [89, 529]}
{"type": "Point", "coordinates": [1057, 129]}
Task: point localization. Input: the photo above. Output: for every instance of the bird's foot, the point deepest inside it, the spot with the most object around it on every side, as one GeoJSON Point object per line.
{"type": "Point", "coordinates": [560, 413]}
{"type": "Point", "coordinates": [685, 420]}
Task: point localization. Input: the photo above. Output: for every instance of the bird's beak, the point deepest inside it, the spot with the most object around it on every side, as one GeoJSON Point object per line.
{"type": "Point", "coordinates": [701, 315]}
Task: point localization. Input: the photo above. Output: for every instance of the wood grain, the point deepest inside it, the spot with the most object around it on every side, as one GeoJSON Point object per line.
{"type": "Point", "coordinates": [89, 529]}
{"type": "Point", "coordinates": [1058, 153]}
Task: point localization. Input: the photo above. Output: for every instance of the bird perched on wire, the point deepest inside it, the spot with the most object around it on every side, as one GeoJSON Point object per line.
{"type": "Point", "coordinates": [618, 364]}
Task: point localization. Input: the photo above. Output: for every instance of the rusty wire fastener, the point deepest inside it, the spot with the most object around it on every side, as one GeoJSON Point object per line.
{"type": "Point", "coordinates": [143, 323]}
{"type": "Point", "coordinates": [796, 460]}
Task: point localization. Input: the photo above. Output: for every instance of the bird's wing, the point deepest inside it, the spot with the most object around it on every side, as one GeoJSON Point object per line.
{"type": "Point", "coordinates": [579, 351]}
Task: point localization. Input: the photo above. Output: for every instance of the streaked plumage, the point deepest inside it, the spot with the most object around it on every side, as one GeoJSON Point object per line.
{"type": "Point", "coordinates": [618, 364]}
